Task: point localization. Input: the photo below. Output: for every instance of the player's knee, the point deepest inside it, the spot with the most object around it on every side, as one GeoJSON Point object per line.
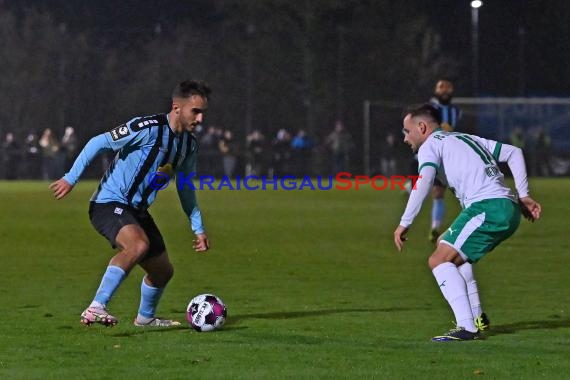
{"type": "Point", "coordinates": [434, 260]}
{"type": "Point", "coordinates": [138, 248]}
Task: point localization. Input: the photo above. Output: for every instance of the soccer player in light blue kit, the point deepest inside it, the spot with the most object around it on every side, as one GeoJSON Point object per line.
{"type": "Point", "coordinates": [490, 211]}
{"type": "Point", "coordinates": [147, 149]}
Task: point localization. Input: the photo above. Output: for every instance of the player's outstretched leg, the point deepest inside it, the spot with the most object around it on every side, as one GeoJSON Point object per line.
{"type": "Point", "coordinates": [159, 272]}
{"type": "Point", "coordinates": [97, 310]}
{"type": "Point", "coordinates": [134, 243]}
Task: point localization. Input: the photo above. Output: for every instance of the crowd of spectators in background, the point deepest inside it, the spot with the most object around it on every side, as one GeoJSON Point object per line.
{"type": "Point", "coordinates": [47, 156]}
{"type": "Point", "coordinates": [284, 153]}
{"type": "Point", "coordinates": [536, 146]}
{"type": "Point", "coordinates": [44, 157]}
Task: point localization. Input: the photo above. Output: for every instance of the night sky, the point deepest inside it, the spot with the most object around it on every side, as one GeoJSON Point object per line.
{"type": "Point", "coordinates": [524, 45]}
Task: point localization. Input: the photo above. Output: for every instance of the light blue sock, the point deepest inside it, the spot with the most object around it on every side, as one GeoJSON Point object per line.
{"type": "Point", "coordinates": [437, 213]}
{"type": "Point", "coordinates": [149, 300]}
{"type": "Point", "coordinates": [111, 280]}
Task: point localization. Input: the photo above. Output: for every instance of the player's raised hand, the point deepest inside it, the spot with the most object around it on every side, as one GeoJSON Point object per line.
{"type": "Point", "coordinates": [60, 188]}
{"type": "Point", "coordinates": [400, 237]}
{"type": "Point", "coordinates": [201, 243]}
{"type": "Point", "coordinates": [530, 208]}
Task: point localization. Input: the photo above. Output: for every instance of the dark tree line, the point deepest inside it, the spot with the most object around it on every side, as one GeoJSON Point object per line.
{"type": "Point", "coordinates": [272, 64]}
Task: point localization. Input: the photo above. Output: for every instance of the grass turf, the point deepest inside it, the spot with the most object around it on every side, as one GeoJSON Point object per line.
{"type": "Point", "coordinates": [312, 281]}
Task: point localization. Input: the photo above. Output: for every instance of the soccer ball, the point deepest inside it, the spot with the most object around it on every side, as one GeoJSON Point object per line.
{"type": "Point", "coordinates": [206, 312]}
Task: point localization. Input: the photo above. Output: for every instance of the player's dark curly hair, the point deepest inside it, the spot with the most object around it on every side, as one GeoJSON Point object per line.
{"type": "Point", "coordinates": [427, 110]}
{"type": "Point", "coordinates": [191, 87]}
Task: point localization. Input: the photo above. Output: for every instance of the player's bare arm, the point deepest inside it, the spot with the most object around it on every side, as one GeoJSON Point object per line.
{"type": "Point", "coordinates": [60, 188]}
{"type": "Point", "coordinates": [201, 243]}
{"type": "Point", "coordinates": [530, 208]}
{"type": "Point", "coordinates": [400, 237]}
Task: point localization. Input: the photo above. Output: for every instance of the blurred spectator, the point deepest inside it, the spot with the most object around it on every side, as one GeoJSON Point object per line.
{"type": "Point", "coordinates": [517, 138]}
{"type": "Point", "coordinates": [32, 158]}
{"type": "Point", "coordinates": [339, 141]}
{"type": "Point", "coordinates": [281, 153]}
{"type": "Point", "coordinates": [388, 154]}
{"type": "Point", "coordinates": [302, 146]}
{"type": "Point", "coordinates": [255, 144]}
{"type": "Point", "coordinates": [10, 156]}
{"type": "Point", "coordinates": [229, 150]}
{"type": "Point", "coordinates": [209, 152]}
{"type": "Point", "coordinates": [541, 154]}
{"type": "Point", "coordinates": [49, 148]}
{"type": "Point", "coordinates": [68, 146]}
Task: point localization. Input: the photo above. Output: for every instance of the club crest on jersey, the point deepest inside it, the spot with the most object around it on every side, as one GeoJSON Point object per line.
{"type": "Point", "coordinates": [120, 132]}
{"type": "Point", "coordinates": [492, 171]}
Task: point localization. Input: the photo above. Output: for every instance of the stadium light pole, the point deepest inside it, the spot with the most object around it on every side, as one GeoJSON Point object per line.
{"type": "Point", "coordinates": [475, 5]}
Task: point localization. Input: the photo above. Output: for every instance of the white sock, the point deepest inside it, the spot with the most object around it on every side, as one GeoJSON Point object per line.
{"type": "Point", "coordinates": [454, 289]}
{"type": "Point", "coordinates": [466, 271]}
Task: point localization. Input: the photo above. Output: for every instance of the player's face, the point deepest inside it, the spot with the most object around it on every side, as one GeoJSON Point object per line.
{"type": "Point", "coordinates": [443, 89]}
{"type": "Point", "coordinates": [413, 132]}
{"type": "Point", "coordinates": [190, 112]}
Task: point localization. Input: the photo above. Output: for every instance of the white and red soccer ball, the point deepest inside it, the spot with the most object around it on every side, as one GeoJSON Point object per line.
{"type": "Point", "coordinates": [206, 312]}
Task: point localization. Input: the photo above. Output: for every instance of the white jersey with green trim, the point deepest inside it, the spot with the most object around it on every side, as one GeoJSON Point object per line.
{"type": "Point", "coordinates": [468, 165]}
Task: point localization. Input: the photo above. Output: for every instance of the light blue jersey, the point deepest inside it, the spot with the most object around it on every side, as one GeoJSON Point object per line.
{"type": "Point", "coordinates": [450, 114]}
{"type": "Point", "coordinates": [144, 146]}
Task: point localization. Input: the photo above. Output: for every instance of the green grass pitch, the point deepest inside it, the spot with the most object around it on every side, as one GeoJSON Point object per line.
{"type": "Point", "coordinates": [312, 281]}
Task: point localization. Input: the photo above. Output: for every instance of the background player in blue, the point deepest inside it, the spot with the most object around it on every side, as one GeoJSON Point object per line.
{"type": "Point", "coordinates": [118, 209]}
{"type": "Point", "coordinates": [450, 115]}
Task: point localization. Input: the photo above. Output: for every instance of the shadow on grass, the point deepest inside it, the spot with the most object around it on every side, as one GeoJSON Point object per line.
{"type": "Point", "coordinates": [150, 330]}
{"type": "Point", "coordinates": [233, 320]}
{"type": "Point", "coordinates": [139, 331]}
{"type": "Point", "coordinates": [512, 328]}
{"type": "Point", "coordinates": [314, 313]}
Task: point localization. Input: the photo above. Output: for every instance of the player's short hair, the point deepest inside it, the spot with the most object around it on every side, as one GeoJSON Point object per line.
{"type": "Point", "coordinates": [427, 110]}
{"type": "Point", "coordinates": [189, 88]}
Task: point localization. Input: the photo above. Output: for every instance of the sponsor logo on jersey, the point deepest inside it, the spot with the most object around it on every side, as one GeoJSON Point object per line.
{"type": "Point", "coordinates": [120, 132]}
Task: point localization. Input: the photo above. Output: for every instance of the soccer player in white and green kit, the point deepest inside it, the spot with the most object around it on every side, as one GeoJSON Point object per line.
{"type": "Point", "coordinates": [491, 213]}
